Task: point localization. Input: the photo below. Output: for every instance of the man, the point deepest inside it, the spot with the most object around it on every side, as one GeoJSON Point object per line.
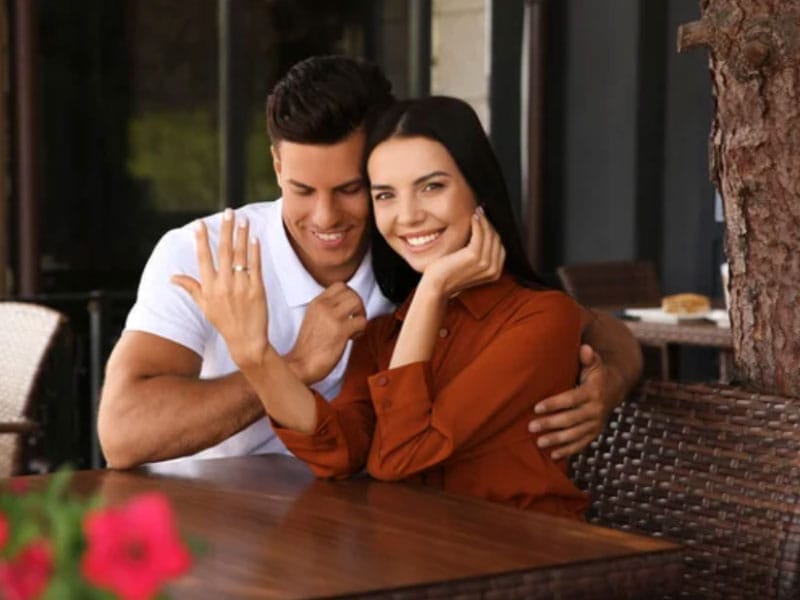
{"type": "Point", "coordinates": [171, 387]}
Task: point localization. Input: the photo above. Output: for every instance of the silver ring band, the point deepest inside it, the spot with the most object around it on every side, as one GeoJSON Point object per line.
{"type": "Point", "coordinates": [240, 268]}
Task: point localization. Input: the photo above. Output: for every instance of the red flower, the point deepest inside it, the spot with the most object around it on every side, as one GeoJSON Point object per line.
{"type": "Point", "coordinates": [134, 549]}
{"type": "Point", "coordinates": [18, 486]}
{"type": "Point", "coordinates": [3, 531]}
{"type": "Point", "coordinates": [26, 576]}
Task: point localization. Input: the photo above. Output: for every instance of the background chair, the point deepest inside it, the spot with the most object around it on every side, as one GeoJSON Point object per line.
{"type": "Point", "coordinates": [28, 333]}
{"type": "Point", "coordinates": [712, 467]}
{"type": "Point", "coordinates": [613, 285]}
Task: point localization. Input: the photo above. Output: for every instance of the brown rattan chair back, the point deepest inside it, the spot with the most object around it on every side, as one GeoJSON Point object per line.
{"type": "Point", "coordinates": [612, 283]}
{"type": "Point", "coordinates": [27, 332]}
{"type": "Point", "coordinates": [716, 469]}
{"type": "Point", "coordinates": [618, 284]}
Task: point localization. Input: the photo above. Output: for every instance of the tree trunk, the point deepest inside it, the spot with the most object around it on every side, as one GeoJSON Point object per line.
{"type": "Point", "coordinates": [755, 164]}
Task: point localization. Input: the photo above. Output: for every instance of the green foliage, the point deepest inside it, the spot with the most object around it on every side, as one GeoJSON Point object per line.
{"type": "Point", "coordinates": [175, 155]}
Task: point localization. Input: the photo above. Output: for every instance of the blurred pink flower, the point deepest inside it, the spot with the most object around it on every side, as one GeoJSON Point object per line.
{"type": "Point", "coordinates": [132, 550]}
{"type": "Point", "coordinates": [3, 531]}
{"type": "Point", "coordinates": [18, 486]}
{"type": "Point", "coordinates": [28, 574]}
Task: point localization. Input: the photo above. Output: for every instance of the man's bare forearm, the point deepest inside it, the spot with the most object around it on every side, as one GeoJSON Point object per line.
{"type": "Point", "coordinates": [167, 416]}
{"type": "Point", "coordinates": [154, 405]}
{"type": "Point", "coordinates": [618, 348]}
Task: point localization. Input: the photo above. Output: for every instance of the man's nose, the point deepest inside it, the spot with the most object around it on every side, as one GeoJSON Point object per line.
{"type": "Point", "coordinates": [326, 213]}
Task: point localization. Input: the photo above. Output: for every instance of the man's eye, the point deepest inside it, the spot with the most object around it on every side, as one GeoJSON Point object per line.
{"type": "Point", "coordinates": [352, 190]}
{"type": "Point", "coordinates": [302, 191]}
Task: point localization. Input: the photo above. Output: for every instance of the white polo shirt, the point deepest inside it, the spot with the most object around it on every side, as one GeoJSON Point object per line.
{"type": "Point", "coordinates": [166, 310]}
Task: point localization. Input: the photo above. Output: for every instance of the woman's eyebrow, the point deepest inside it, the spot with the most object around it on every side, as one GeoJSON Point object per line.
{"type": "Point", "coordinates": [431, 175]}
{"type": "Point", "coordinates": [417, 181]}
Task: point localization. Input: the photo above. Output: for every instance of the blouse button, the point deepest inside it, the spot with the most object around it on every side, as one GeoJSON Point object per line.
{"type": "Point", "coordinates": [443, 332]}
{"type": "Point", "coordinates": [383, 380]}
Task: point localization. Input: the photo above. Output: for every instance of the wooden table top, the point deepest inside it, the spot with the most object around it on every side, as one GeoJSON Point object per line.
{"type": "Point", "coordinates": [274, 531]}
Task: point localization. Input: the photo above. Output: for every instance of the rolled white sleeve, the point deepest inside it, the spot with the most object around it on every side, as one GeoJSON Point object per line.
{"type": "Point", "coordinates": [162, 308]}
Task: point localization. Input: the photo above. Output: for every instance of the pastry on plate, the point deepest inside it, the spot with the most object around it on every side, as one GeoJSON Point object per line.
{"type": "Point", "coordinates": [685, 304]}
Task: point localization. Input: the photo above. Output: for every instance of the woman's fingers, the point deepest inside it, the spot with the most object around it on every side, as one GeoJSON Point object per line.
{"type": "Point", "coordinates": [205, 261]}
{"type": "Point", "coordinates": [225, 245]}
{"type": "Point", "coordinates": [240, 264]}
{"type": "Point", "coordinates": [478, 233]}
{"type": "Point", "coordinates": [254, 261]}
{"type": "Point", "coordinates": [490, 262]}
{"type": "Point", "coordinates": [497, 256]}
{"type": "Point", "coordinates": [190, 284]}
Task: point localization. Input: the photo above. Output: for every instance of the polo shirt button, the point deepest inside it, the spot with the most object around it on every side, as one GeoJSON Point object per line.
{"type": "Point", "coordinates": [383, 380]}
{"type": "Point", "coordinates": [443, 332]}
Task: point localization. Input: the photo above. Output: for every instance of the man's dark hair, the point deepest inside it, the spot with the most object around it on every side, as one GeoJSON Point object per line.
{"type": "Point", "coordinates": [323, 99]}
{"type": "Point", "coordinates": [454, 124]}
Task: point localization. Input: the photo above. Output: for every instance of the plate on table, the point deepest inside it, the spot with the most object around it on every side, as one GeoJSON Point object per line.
{"type": "Point", "coordinates": [720, 316]}
{"type": "Point", "coordinates": [658, 315]}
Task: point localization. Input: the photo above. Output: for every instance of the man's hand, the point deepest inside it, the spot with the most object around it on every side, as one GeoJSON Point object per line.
{"type": "Point", "coordinates": [573, 419]}
{"type": "Point", "coordinates": [332, 318]}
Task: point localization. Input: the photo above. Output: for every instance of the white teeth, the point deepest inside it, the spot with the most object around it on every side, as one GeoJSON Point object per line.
{"type": "Point", "coordinates": [423, 239]}
{"type": "Point", "coordinates": [329, 237]}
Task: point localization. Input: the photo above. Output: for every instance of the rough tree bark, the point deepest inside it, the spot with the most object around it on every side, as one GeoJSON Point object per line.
{"type": "Point", "coordinates": [755, 164]}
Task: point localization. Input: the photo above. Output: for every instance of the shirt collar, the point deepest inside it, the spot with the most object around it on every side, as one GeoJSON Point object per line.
{"type": "Point", "coordinates": [299, 287]}
{"type": "Point", "coordinates": [478, 301]}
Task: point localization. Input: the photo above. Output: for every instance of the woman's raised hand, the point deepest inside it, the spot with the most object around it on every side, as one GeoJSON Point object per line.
{"type": "Point", "coordinates": [479, 262]}
{"type": "Point", "coordinates": [232, 296]}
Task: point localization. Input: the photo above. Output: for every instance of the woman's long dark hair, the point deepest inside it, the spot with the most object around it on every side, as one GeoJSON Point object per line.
{"type": "Point", "coordinates": [454, 124]}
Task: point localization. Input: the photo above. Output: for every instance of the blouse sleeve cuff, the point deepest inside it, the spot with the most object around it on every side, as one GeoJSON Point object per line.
{"type": "Point", "coordinates": [323, 436]}
{"type": "Point", "coordinates": [405, 390]}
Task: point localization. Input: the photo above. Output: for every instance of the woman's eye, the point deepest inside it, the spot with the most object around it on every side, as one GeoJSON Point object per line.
{"type": "Point", "coordinates": [432, 186]}
{"type": "Point", "coordinates": [381, 196]}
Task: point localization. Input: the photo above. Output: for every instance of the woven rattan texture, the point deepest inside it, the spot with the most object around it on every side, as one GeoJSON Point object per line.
{"type": "Point", "coordinates": [26, 331]}
{"type": "Point", "coordinates": [613, 283]}
{"type": "Point", "coordinates": [714, 468]}
{"type": "Point", "coordinates": [626, 577]}
{"type": "Point", "coordinates": [702, 333]}
{"type": "Point", "coordinates": [620, 284]}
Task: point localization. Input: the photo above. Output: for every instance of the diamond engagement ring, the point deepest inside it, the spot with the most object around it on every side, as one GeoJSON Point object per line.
{"type": "Point", "coordinates": [240, 268]}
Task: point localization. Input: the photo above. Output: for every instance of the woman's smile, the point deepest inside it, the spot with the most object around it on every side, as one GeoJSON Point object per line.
{"type": "Point", "coordinates": [420, 242]}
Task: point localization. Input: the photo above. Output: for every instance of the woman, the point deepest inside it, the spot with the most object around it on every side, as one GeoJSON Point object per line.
{"type": "Point", "coordinates": [440, 392]}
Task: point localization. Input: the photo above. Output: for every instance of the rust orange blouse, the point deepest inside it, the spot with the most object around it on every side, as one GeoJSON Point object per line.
{"type": "Point", "coordinates": [459, 421]}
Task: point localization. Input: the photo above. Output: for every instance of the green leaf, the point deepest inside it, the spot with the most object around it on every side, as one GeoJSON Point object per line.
{"type": "Point", "coordinates": [197, 546]}
{"type": "Point", "coordinates": [57, 485]}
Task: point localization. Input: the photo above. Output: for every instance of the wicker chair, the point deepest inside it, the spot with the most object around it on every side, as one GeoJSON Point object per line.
{"type": "Point", "coordinates": [618, 284]}
{"type": "Point", "coordinates": [714, 468]}
{"type": "Point", "coordinates": [28, 332]}
{"type": "Point", "coordinates": [613, 283]}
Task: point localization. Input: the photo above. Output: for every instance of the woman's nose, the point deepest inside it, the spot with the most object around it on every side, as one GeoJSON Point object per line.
{"type": "Point", "coordinates": [409, 211]}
